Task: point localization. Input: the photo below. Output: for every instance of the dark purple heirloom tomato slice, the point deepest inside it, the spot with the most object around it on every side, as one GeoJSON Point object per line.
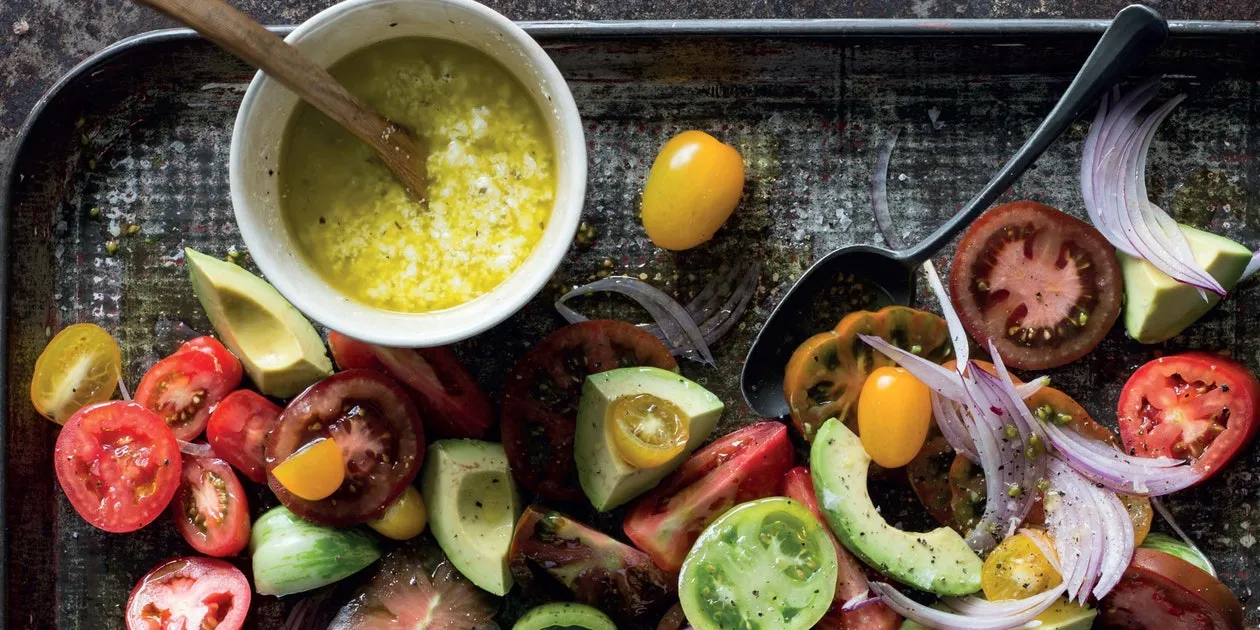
{"type": "Point", "coordinates": [417, 588]}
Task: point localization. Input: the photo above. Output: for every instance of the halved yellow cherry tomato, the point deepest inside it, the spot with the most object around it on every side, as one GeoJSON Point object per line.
{"type": "Point", "coordinates": [647, 431]}
{"type": "Point", "coordinates": [80, 366]}
{"type": "Point", "coordinates": [405, 518]}
{"type": "Point", "coordinates": [1017, 569]}
{"type": "Point", "coordinates": [1139, 509]}
{"type": "Point", "coordinates": [314, 472]}
{"type": "Point", "coordinates": [693, 187]}
{"type": "Point", "coordinates": [894, 414]}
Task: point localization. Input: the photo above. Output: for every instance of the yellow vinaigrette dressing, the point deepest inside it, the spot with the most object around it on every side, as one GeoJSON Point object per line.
{"type": "Point", "coordinates": [491, 178]}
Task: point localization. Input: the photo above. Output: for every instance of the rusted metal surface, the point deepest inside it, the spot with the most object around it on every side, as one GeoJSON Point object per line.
{"type": "Point", "coordinates": [144, 138]}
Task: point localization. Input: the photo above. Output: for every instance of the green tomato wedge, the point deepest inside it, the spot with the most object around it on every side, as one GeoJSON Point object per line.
{"type": "Point", "coordinates": [291, 555]}
{"type": "Point", "coordinates": [1174, 547]}
{"type": "Point", "coordinates": [766, 564]}
{"type": "Point", "coordinates": [564, 616]}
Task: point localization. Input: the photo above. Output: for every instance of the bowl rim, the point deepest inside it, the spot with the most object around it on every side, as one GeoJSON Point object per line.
{"type": "Point", "coordinates": [381, 326]}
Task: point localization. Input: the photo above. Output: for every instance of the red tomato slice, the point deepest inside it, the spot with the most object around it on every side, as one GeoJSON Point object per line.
{"type": "Point", "coordinates": [184, 387]}
{"type": "Point", "coordinates": [1196, 405]}
{"type": "Point", "coordinates": [189, 594]}
{"type": "Point", "coordinates": [1044, 286]}
{"type": "Point", "coordinates": [1163, 592]}
{"type": "Point", "coordinates": [228, 363]}
{"type": "Point", "coordinates": [238, 431]}
{"type": "Point", "coordinates": [118, 464]}
{"type": "Point", "coordinates": [741, 466]}
{"type": "Point", "coordinates": [451, 402]}
{"type": "Point", "coordinates": [851, 581]}
{"type": "Point", "coordinates": [378, 431]}
{"type": "Point", "coordinates": [210, 508]}
{"type": "Point", "coordinates": [540, 398]}
{"type": "Point", "coordinates": [416, 587]}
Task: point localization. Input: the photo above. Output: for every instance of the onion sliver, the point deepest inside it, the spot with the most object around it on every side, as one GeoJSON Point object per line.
{"type": "Point", "coordinates": [1091, 530]}
{"type": "Point", "coordinates": [1118, 471]}
{"type": "Point", "coordinates": [980, 614]}
{"type": "Point", "coordinates": [677, 326]}
{"type": "Point", "coordinates": [879, 193]}
{"type": "Point", "coordinates": [937, 377]}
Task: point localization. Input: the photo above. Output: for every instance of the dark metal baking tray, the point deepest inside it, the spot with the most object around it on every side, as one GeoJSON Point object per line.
{"type": "Point", "coordinates": [141, 131]}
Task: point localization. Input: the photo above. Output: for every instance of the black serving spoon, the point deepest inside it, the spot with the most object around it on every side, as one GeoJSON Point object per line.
{"type": "Point", "coordinates": [1134, 34]}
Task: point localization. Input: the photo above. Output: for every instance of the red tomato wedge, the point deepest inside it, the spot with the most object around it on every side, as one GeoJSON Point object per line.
{"type": "Point", "coordinates": [189, 594]}
{"type": "Point", "coordinates": [554, 554]}
{"type": "Point", "coordinates": [210, 508]}
{"type": "Point", "coordinates": [1196, 405]}
{"type": "Point", "coordinates": [184, 387]}
{"type": "Point", "coordinates": [741, 466]}
{"type": "Point", "coordinates": [118, 464]}
{"type": "Point", "coordinates": [540, 398]}
{"type": "Point", "coordinates": [851, 581]}
{"type": "Point", "coordinates": [1160, 591]}
{"type": "Point", "coordinates": [238, 430]}
{"type": "Point", "coordinates": [228, 363]}
{"type": "Point", "coordinates": [451, 402]}
{"type": "Point", "coordinates": [416, 588]}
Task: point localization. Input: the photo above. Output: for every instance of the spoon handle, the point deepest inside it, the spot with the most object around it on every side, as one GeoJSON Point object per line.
{"type": "Point", "coordinates": [1134, 34]}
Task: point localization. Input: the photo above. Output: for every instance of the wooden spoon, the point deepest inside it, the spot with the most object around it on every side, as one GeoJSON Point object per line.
{"type": "Point", "coordinates": [240, 35]}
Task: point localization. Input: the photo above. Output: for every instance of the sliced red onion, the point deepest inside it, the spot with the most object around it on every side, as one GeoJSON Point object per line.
{"type": "Point", "coordinates": [1024, 390]}
{"type": "Point", "coordinates": [721, 302]}
{"type": "Point", "coordinates": [1118, 471]}
{"type": "Point", "coordinates": [677, 326]}
{"type": "Point", "coordinates": [195, 449]}
{"type": "Point", "coordinates": [122, 387]}
{"type": "Point", "coordinates": [1045, 546]}
{"type": "Point", "coordinates": [879, 193]}
{"type": "Point", "coordinates": [859, 601]}
{"type": "Point", "coordinates": [957, 334]}
{"type": "Point", "coordinates": [1252, 267]}
{"type": "Point", "coordinates": [949, 419]}
{"type": "Point", "coordinates": [937, 377]}
{"type": "Point", "coordinates": [980, 614]}
{"type": "Point", "coordinates": [1091, 530]}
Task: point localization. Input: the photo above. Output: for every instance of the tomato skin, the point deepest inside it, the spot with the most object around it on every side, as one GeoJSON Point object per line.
{"type": "Point", "coordinates": [1026, 257]}
{"type": "Point", "coordinates": [101, 479]}
{"type": "Point", "coordinates": [228, 363]}
{"type": "Point", "coordinates": [238, 429]}
{"type": "Point", "coordinates": [191, 593]}
{"type": "Point", "coordinates": [1160, 591]}
{"type": "Point", "coordinates": [693, 187]}
{"type": "Point", "coordinates": [739, 467]}
{"type": "Point", "coordinates": [1162, 411]}
{"type": "Point", "coordinates": [184, 387]}
{"type": "Point", "coordinates": [851, 578]}
{"type": "Point", "coordinates": [224, 531]}
{"type": "Point", "coordinates": [894, 413]}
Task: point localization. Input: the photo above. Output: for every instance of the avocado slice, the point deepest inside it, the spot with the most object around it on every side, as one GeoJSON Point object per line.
{"type": "Point", "coordinates": [280, 350]}
{"type": "Point", "coordinates": [1158, 308]}
{"type": "Point", "coordinates": [473, 506]}
{"type": "Point", "coordinates": [1062, 615]}
{"type": "Point", "coordinates": [938, 561]}
{"type": "Point", "coordinates": [564, 616]}
{"type": "Point", "coordinates": [607, 479]}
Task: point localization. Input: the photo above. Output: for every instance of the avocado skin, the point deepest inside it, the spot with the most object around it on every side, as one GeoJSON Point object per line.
{"type": "Point", "coordinates": [1157, 308]}
{"type": "Point", "coordinates": [938, 561]}
{"type": "Point", "coordinates": [564, 616]}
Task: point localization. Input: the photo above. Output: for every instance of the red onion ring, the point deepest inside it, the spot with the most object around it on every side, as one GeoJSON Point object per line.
{"type": "Point", "coordinates": [1118, 471]}
{"type": "Point", "coordinates": [1091, 530]}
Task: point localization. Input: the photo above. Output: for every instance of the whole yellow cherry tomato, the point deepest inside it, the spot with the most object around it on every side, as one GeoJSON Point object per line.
{"type": "Point", "coordinates": [80, 366]}
{"type": "Point", "coordinates": [691, 190]}
{"type": "Point", "coordinates": [1017, 569]}
{"type": "Point", "coordinates": [314, 472]}
{"type": "Point", "coordinates": [405, 518]}
{"type": "Point", "coordinates": [894, 413]}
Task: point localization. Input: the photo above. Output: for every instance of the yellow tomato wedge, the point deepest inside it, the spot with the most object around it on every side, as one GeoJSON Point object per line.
{"type": "Point", "coordinates": [80, 366]}
{"type": "Point", "coordinates": [1139, 509]}
{"type": "Point", "coordinates": [1018, 569]}
{"type": "Point", "coordinates": [647, 431]}
{"type": "Point", "coordinates": [694, 185]}
{"type": "Point", "coordinates": [405, 518]}
{"type": "Point", "coordinates": [894, 414]}
{"type": "Point", "coordinates": [314, 472]}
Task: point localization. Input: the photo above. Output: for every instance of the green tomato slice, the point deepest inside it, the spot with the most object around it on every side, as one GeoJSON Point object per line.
{"type": "Point", "coordinates": [766, 564]}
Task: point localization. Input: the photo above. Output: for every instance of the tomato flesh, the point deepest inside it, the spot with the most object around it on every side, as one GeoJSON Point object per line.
{"type": "Point", "coordinates": [1017, 569]}
{"type": "Point", "coordinates": [894, 413]}
{"type": "Point", "coordinates": [1163, 592]}
{"type": "Point", "coordinates": [184, 387]}
{"type": "Point", "coordinates": [540, 398]}
{"type": "Point", "coordinates": [81, 365]}
{"type": "Point", "coordinates": [739, 467]}
{"type": "Point", "coordinates": [210, 508]}
{"type": "Point", "coordinates": [237, 430]}
{"type": "Point", "coordinates": [416, 587]}
{"type": "Point", "coordinates": [189, 594]}
{"type": "Point", "coordinates": [228, 363]}
{"type": "Point", "coordinates": [378, 432]}
{"type": "Point", "coordinates": [1045, 287]}
{"type": "Point", "coordinates": [1196, 405]}
{"type": "Point", "coordinates": [118, 464]}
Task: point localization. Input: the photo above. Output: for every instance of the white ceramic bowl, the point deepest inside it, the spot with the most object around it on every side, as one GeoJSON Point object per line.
{"type": "Point", "coordinates": [256, 146]}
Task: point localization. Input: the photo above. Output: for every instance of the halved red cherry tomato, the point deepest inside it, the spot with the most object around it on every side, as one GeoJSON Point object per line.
{"type": "Point", "coordinates": [228, 363]}
{"type": "Point", "coordinates": [379, 433]}
{"type": "Point", "coordinates": [210, 508]}
{"type": "Point", "coordinates": [1195, 405]}
{"type": "Point", "coordinates": [540, 398]}
{"type": "Point", "coordinates": [416, 587]}
{"type": "Point", "coordinates": [741, 466]}
{"type": "Point", "coordinates": [451, 402]}
{"type": "Point", "coordinates": [851, 579]}
{"type": "Point", "coordinates": [1160, 591]}
{"type": "Point", "coordinates": [184, 387]}
{"type": "Point", "coordinates": [189, 594]}
{"type": "Point", "coordinates": [118, 464]}
{"type": "Point", "coordinates": [238, 430]}
{"type": "Point", "coordinates": [1044, 286]}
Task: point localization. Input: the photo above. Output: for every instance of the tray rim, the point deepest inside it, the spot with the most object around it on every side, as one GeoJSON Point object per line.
{"type": "Point", "coordinates": [855, 28]}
